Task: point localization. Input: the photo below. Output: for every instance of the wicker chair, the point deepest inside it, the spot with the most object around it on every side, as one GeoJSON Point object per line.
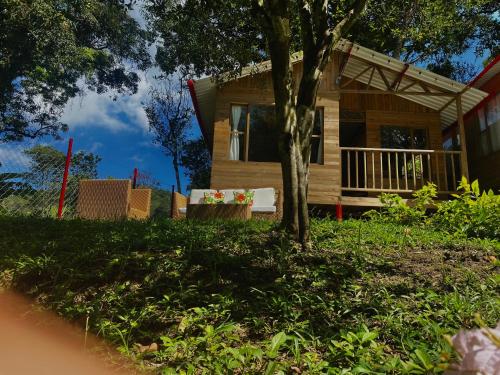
{"type": "Point", "coordinates": [112, 200]}
{"type": "Point", "coordinates": [180, 201]}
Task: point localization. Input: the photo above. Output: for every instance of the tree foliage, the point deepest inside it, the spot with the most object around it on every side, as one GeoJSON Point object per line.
{"type": "Point", "coordinates": [432, 32]}
{"type": "Point", "coordinates": [196, 163]}
{"type": "Point", "coordinates": [47, 166]}
{"type": "Point", "coordinates": [169, 114]}
{"type": "Point", "coordinates": [214, 36]}
{"type": "Point", "coordinates": [52, 50]}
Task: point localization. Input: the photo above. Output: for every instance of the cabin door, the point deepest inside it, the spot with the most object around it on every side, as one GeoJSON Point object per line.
{"type": "Point", "coordinates": [352, 134]}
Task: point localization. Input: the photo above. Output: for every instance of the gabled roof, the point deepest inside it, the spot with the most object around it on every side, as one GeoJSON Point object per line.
{"type": "Point", "coordinates": [375, 69]}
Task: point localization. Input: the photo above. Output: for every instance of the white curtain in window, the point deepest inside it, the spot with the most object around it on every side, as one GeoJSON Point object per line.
{"type": "Point", "coordinates": [234, 149]}
{"type": "Point", "coordinates": [320, 147]}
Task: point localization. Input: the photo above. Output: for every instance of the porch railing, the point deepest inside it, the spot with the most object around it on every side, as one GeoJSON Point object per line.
{"type": "Point", "coordinates": [399, 170]}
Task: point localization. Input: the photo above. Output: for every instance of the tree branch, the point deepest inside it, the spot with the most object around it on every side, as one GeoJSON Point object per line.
{"type": "Point", "coordinates": [332, 37]}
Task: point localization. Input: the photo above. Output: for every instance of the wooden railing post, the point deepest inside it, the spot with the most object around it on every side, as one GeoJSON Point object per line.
{"type": "Point", "coordinates": [463, 143]}
{"type": "Point", "coordinates": [407, 169]}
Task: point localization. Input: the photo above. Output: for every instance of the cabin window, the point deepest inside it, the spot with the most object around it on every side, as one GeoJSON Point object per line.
{"type": "Point", "coordinates": [254, 134]}
{"type": "Point", "coordinates": [263, 134]}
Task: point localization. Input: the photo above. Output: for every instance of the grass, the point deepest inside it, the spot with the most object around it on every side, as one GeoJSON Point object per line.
{"type": "Point", "coordinates": [238, 298]}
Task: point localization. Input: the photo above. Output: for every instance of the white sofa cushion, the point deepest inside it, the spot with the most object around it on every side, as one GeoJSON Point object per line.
{"type": "Point", "coordinates": [263, 197]}
{"type": "Point", "coordinates": [264, 209]}
{"type": "Point", "coordinates": [197, 195]}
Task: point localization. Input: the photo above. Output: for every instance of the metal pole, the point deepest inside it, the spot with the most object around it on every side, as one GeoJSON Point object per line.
{"type": "Point", "coordinates": [65, 179]}
{"type": "Point", "coordinates": [339, 212]}
{"type": "Point", "coordinates": [172, 202]}
{"type": "Point", "coordinates": [134, 181]}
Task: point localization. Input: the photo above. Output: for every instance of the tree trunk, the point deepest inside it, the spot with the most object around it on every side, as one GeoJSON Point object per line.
{"type": "Point", "coordinates": [295, 111]}
{"type": "Point", "coordinates": [175, 163]}
{"type": "Point", "coordinates": [279, 36]}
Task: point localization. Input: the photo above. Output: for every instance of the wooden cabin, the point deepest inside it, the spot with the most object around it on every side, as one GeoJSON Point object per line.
{"type": "Point", "coordinates": [482, 130]}
{"type": "Point", "coordinates": [378, 128]}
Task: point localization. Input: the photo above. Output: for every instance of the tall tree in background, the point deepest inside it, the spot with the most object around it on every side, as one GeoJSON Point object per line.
{"type": "Point", "coordinates": [169, 114]}
{"type": "Point", "coordinates": [196, 163]}
{"type": "Point", "coordinates": [47, 166]}
{"type": "Point", "coordinates": [52, 50]}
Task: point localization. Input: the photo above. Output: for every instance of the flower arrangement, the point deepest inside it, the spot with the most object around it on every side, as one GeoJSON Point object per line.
{"type": "Point", "coordinates": [245, 197]}
{"type": "Point", "coordinates": [213, 198]}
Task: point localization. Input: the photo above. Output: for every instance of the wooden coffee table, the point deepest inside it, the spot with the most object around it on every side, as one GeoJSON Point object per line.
{"type": "Point", "coordinates": [219, 211]}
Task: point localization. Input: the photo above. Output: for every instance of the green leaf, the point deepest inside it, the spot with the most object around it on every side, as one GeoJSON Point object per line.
{"type": "Point", "coordinates": [369, 336]}
{"type": "Point", "coordinates": [276, 342]}
{"type": "Point", "coordinates": [424, 359]}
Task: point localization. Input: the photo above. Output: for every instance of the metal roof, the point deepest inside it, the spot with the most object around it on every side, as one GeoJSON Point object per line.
{"type": "Point", "coordinates": [490, 71]}
{"type": "Point", "coordinates": [360, 58]}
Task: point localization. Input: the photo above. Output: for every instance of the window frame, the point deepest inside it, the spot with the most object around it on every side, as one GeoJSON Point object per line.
{"type": "Point", "coordinates": [246, 133]}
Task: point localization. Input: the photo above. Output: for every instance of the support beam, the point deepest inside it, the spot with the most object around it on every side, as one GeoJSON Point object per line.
{"type": "Point", "coordinates": [397, 81]}
{"type": "Point", "coordinates": [463, 142]}
{"type": "Point", "coordinates": [452, 100]}
{"type": "Point", "coordinates": [399, 93]}
{"type": "Point", "coordinates": [424, 87]}
{"type": "Point", "coordinates": [408, 77]}
{"type": "Point", "coordinates": [382, 75]}
{"type": "Point", "coordinates": [355, 77]}
{"type": "Point", "coordinates": [411, 84]}
{"type": "Point", "coordinates": [371, 77]}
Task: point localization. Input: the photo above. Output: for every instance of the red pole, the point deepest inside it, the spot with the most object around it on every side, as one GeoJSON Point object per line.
{"type": "Point", "coordinates": [65, 179]}
{"type": "Point", "coordinates": [134, 181]}
{"type": "Point", "coordinates": [339, 211]}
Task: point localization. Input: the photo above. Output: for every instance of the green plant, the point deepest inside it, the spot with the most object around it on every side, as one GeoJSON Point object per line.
{"type": "Point", "coordinates": [395, 209]}
{"type": "Point", "coordinates": [471, 213]}
{"type": "Point", "coordinates": [222, 297]}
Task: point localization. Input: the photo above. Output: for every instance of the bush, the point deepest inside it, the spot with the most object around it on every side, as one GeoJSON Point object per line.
{"type": "Point", "coordinates": [395, 210]}
{"type": "Point", "coordinates": [472, 213]}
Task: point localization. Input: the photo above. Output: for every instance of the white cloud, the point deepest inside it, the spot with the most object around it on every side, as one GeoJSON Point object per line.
{"type": "Point", "coordinates": [137, 159]}
{"type": "Point", "coordinates": [13, 158]}
{"type": "Point", "coordinates": [123, 114]}
{"type": "Point", "coordinates": [95, 146]}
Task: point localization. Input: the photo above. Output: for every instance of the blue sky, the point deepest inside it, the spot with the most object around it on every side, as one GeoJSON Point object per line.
{"type": "Point", "coordinates": [117, 130]}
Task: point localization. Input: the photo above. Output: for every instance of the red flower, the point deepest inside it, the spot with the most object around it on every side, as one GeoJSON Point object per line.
{"type": "Point", "coordinates": [240, 197]}
{"type": "Point", "coordinates": [219, 195]}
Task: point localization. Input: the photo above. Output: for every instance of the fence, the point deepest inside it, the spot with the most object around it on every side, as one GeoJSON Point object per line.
{"type": "Point", "coordinates": [31, 182]}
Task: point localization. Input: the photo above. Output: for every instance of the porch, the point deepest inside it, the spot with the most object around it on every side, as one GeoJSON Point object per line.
{"type": "Point", "coordinates": [368, 172]}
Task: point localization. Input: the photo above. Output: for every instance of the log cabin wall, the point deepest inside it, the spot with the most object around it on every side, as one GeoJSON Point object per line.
{"type": "Point", "coordinates": [324, 185]}
{"type": "Point", "coordinates": [325, 179]}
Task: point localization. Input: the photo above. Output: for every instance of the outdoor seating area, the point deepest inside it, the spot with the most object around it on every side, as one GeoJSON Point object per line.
{"type": "Point", "coordinates": [112, 200]}
{"type": "Point", "coordinates": [265, 203]}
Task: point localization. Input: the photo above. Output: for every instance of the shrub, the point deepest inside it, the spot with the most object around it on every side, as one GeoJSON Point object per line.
{"type": "Point", "coordinates": [394, 209]}
{"type": "Point", "coordinates": [472, 213]}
